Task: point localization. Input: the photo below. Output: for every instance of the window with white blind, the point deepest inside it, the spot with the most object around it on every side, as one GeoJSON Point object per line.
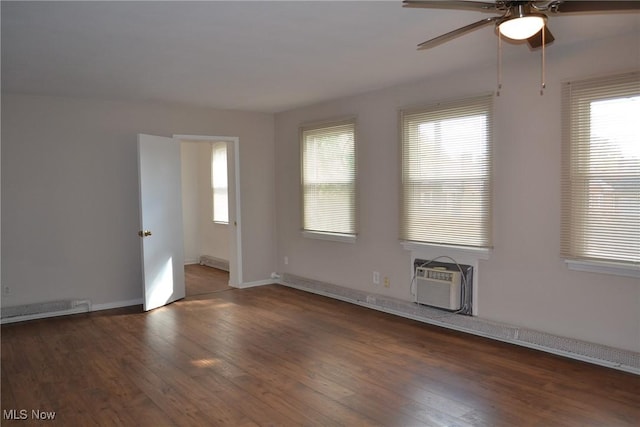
{"type": "Point", "coordinates": [329, 179]}
{"type": "Point", "coordinates": [219, 185]}
{"type": "Point", "coordinates": [446, 173]}
{"type": "Point", "coordinates": [601, 170]}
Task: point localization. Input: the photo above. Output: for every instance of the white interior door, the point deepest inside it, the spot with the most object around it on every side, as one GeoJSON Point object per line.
{"type": "Point", "coordinates": [160, 220]}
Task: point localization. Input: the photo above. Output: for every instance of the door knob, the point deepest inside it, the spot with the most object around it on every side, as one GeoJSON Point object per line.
{"type": "Point", "coordinates": [144, 233]}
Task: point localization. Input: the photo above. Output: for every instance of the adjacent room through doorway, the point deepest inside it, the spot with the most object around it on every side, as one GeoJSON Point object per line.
{"type": "Point", "coordinates": [201, 279]}
{"type": "Point", "coordinates": [211, 230]}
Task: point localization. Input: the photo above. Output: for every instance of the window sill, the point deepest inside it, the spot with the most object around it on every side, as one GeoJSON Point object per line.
{"type": "Point", "coordinates": [455, 251]}
{"type": "Point", "coordinates": [334, 237]}
{"type": "Point", "coordinates": [612, 268]}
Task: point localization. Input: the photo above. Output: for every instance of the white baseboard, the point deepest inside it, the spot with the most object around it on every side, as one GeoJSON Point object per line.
{"type": "Point", "coordinates": [246, 285]}
{"type": "Point", "coordinates": [116, 304]}
{"type": "Point", "coordinates": [51, 309]}
{"type": "Point", "coordinates": [211, 261]}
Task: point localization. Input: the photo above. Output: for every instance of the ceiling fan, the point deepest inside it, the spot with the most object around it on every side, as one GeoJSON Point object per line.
{"type": "Point", "coordinates": [519, 20]}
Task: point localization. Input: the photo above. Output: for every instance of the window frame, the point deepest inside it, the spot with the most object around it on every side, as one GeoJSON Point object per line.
{"type": "Point", "coordinates": [588, 91]}
{"type": "Point", "coordinates": [478, 251]}
{"type": "Point", "coordinates": [329, 235]}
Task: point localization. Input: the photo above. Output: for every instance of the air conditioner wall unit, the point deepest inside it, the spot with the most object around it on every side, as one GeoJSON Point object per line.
{"type": "Point", "coordinates": [439, 287]}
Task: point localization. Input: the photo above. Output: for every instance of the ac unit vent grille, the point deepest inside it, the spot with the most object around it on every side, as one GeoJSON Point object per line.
{"type": "Point", "coordinates": [43, 309]}
{"type": "Point", "coordinates": [439, 288]}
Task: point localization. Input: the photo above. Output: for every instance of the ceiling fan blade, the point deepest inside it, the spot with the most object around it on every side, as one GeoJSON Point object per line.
{"type": "Point", "coordinates": [535, 41]}
{"type": "Point", "coordinates": [455, 33]}
{"type": "Point", "coordinates": [465, 5]}
{"type": "Point", "coordinates": [593, 6]}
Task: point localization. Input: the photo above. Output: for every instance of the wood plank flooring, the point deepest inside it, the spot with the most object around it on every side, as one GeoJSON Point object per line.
{"type": "Point", "coordinates": [200, 279]}
{"type": "Point", "coordinates": [273, 355]}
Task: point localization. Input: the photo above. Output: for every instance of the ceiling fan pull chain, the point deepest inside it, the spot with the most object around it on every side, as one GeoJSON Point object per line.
{"type": "Point", "coordinates": [543, 83]}
{"type": "Point", "coordinates": [499, 64]}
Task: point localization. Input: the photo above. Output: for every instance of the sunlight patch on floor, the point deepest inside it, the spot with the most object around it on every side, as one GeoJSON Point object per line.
{"type": "Point", "coordinates": [205, 363]}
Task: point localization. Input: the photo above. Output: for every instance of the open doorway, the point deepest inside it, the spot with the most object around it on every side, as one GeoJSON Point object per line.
{"type": "Point", "coordinates": [202, 279]}
{"type": "Point", "coordinates": [210, 213]}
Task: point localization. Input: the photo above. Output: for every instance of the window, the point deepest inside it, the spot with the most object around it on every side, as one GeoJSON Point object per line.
{"type": "Point", "coordinates": [329, 178]}
{"type": "Point", "coordinates": [219, 185]}
{"type": "Point", "coordinates": [601, 170]}
{"type": "Point", "coordinates": [446, 173]}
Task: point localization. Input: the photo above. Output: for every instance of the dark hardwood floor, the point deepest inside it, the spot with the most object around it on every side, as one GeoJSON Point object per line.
{"type": "Point", "coordinates": [200, 279]}
{"type": "Point", "coordinates": [273, 355]}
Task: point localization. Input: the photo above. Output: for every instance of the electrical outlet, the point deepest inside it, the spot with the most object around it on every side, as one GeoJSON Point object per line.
{"type": "Point", "coordinates": [387, 282]}
{"type": "Point", "coordinates": [286, 260]}
{"type": "Point", "coordinates": [376, 278]}
{"type": "Point", "coordinates": [6, 290]}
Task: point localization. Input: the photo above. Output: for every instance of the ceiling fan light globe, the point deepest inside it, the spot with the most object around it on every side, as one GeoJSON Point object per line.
{"type": "Point", "coordinates": [521, 28]}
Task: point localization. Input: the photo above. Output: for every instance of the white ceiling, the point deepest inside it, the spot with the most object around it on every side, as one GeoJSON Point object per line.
{"type": "Point", "coordinates": [259, 56]}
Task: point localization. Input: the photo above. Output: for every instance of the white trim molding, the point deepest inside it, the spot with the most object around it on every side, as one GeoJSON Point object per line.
{"type": "Point", "coordinates": [612, 268]}
{"type": "Point", "coordinates": [117, 304]}
{"type": "Point", "coordinates": [254, 284]}
{"type": "Point", "coordinates": [462, 252]}
{"type": "Point", "coordinates": [334, 237]}
{"type": "Point", "coordinates": [211, 261]}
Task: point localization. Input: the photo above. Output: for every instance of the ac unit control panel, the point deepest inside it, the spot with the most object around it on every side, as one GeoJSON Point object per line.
{"type": "Point", "coordinates": [439, 274]}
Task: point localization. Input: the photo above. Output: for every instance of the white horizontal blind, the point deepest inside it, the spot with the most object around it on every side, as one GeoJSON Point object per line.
{"type": "Point", "coordinates": [601, 169]}
{"type": "Point", "coordinates": [446, 173]}
{"type": "Point", "coordinates": [329, 178]}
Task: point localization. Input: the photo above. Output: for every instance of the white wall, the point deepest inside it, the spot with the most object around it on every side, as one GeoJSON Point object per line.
{"type": "Point", "coordinates": [190, 201]}
{"type": "Point", "coordinates": [70, 193]}
{"type": "Point", "coordinates": [525, 282]}
{"type": "Point", "coordinates": [201, 235]}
